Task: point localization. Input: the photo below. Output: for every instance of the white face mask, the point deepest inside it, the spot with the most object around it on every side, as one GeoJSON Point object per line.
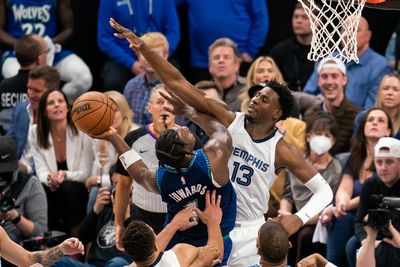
{"type": "Point", "coordinates": [320, 144]}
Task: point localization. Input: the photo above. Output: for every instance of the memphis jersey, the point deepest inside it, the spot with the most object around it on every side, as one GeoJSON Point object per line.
{"type": "Point", "coordinates": [31, 16]}
{"type": "Point", "coordinates": [251, 169]}
{"type": "Point", "coordinates": [188, 187]}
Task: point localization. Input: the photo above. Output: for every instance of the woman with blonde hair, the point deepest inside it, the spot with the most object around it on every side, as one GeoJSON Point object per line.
{"type": "Point", "coordinates": [388, 99]}
{"type": "Point", "coordinates": [104, 153]}
{"type": "Point", "coordinates": [262, 69]}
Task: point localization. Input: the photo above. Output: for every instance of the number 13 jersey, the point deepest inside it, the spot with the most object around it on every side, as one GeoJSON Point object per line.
{"type": "Point", "coordinates": [251, 169]}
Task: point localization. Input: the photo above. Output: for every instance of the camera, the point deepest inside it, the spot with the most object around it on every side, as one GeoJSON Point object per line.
{"type": "Point", "coordinates": [6, 204]}
{"type": "Point", "coordinates": [388, 210]}
{"type": "Point", "coordinates": [48, 240]}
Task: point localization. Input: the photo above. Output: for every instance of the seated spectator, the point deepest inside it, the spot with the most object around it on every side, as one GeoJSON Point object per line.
{"type": "Point", "coordinates": [104, 153]}
{"type": "Point", "coordinates": [25, 114]}
{"type": "Point", "coordinates": [98, 230]}
{"type": "Point", "coordinates": [320, 137]}
{"type": "Point", "coordinates": [291, 54]}
{"type": "Point", "coordinates": [137, 90]}
{"type": "Point", "coordinates": [223, 64]}
{"type": "Point", "coordinates": [147, 249]}
{"type": "Point", "coordinates": [27, 218]}
{"type": "Point", "coordinates": [385, 183]}
{"type": "Point", "coordinates": [63, 160]}
{"type": "Point", "coordinates": [141, 17]}
{"type": "Point", "coordinates": [388, 98]}
{"type": "Point", "coordinates": [52, 20]}
{"type": "Point", "coordinates": [362, 78]}
{"type": "Point", "coordinates": [374, 125]}
{"type": "Point", "coordinates": [30, 51]}
{"type": "Point", "coordinates": [332, 80]}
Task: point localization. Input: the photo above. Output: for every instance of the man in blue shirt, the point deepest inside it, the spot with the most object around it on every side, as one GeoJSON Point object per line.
{"type": "Point", "coordinates": [362, 79]}
{"type": "Point", "coordinates": [141, 17]}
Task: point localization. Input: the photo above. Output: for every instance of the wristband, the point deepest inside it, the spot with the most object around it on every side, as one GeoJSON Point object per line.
{"type": "Point", "coordinates": [128, 158]}
{"type": "Point", "coordinates": [17, 219]}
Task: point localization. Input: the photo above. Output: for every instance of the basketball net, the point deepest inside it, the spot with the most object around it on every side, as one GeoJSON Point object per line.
{"type": "Point", "coordinates": [334, 26]}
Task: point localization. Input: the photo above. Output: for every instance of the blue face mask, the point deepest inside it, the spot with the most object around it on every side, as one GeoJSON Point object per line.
{"type": "Point", "coordinates": [320, 144]}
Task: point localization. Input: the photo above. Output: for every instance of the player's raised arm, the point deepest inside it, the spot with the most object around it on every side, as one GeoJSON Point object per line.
{"type": "Point", "coordinates": [173, 79]}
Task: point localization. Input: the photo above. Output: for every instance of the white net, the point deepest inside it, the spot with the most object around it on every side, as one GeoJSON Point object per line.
{"type": "Point", "coordinates": [334, 26]}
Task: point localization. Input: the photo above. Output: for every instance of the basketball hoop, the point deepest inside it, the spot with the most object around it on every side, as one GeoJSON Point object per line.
{"type": "Point", "coordinates": [334, 26]}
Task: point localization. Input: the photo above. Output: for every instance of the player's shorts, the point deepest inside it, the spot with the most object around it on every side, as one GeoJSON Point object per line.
{"type": "Point", "coordinates": [244, 238]}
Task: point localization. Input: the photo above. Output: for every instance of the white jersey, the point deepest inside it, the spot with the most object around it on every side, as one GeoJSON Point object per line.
{"type": "Point", "coordinates": [251, 169]}
{"type": "Point", "coordinates": [166, 259]}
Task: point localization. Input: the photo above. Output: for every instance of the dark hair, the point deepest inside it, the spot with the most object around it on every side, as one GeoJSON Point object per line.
{"type": "Point", "coordinates": [170, 148]}
{"type": "Point", "coordinates": [47, 73]}
{"type": "Point", "coordinates": [273, 242]}
{"type": "Point", "coordinates": [285, 97]}
{"type": "Point", "coordinates": [358, 152]}
{"type": "Point", "coordinates": [139, 241]}
{"type": "Point", "coordinates": [27, 50]}
{"type": "Point", "coordinates": [321, 121]}
{"type": "Point", "coordinates": [43, 123]}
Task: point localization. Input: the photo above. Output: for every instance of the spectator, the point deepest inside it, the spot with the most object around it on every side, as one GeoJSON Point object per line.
{"type": "Point", "coordinates": [320, 136]}
{"type": "Point", "coordinates": [41, 79]}
{"type": "Point", "coordinates": [97, 229]}
{"type": "Point", "coordinates": [388, 98]}
{"type": "Point", "coordinates": [44, 19]}
{"type": "Point", "coordinates": [374, 125]}
{"type": "Point", "coordinates": [384, 183]}
{"type": "Point", "coordinates": [332, 79]}
{"type": "Point", "coordinates": [14, 253]}
{"type": "Point", "coordinates": [141, 17]}
{"type": "Point", "coordinates": [247, 25]}
{"type": "Point", "coordinates": [362, 78]}
{"type": "Point", "coordinates": [104, 153]}
{"type": "Point", "coordinates": [137, 90]}
{"type": "Point", "coordinates": [291, 54]}
{"type": "Point", "coordinates": [63, 160]}
{"type": "Point", "coordinates": [27, 218]}
{"type": "Point", "coordinates": [146, 248]}
{"type": "Point", "coordinates": [30, 51]}
{"type": "Point", "coordinates": [224, 63]}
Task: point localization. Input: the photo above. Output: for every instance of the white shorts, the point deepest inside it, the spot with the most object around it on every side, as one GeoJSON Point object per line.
{"type": "Point", "coordinates": [244, 239]}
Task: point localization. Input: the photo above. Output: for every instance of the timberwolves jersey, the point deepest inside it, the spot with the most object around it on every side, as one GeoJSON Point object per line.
{"type": "Point", "coordinates": [252, 169]}
{"type": "Point", "coordinates": [166, 259]}
{"type": "Point", "coordinates": [188, 187]}
{"type": "Point", "coordinates": [31, 16]}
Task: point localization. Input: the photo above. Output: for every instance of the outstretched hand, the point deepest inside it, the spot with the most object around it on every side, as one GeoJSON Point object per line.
{"type": "Point", "coordinates": [212, 213]}
{"type": "Point", "coordinates": [291, 223]}
{"type": "Point", "coordinates": [395, 240]}
{"type": "Point", "coordinates": [124, 33]}
{"type": "Point", "coordinates": [179, 106]}
{"type": "Point", "coordinates": [182, 219]}
{"type": "Point", "coordinates": [72, 246]}
{"type": "Point", "coordinates": [106, 135]}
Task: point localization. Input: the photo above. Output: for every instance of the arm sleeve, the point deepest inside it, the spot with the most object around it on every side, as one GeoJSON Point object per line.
{"type": "Point", "coordinates": [108, 44]}
{"type": "Point", "coordinates": [259, 27]}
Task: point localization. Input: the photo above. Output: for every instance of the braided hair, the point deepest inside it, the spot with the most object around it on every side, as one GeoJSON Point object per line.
{"type": "Point", "coordinates": [170, 149]}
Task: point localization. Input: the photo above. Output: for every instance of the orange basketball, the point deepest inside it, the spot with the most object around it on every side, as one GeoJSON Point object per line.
{"type": "Point", "coordinates": [93, 113]}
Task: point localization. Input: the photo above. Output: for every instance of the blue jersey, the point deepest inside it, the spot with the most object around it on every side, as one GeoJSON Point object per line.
{"type": "Point", "coordinates": [188, 187]}
{"type": "Point", "coordinates": [31, 16]}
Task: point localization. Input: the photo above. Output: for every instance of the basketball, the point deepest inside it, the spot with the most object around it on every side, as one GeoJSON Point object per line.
{"type": "Point", "coordinates": [93, 113]}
